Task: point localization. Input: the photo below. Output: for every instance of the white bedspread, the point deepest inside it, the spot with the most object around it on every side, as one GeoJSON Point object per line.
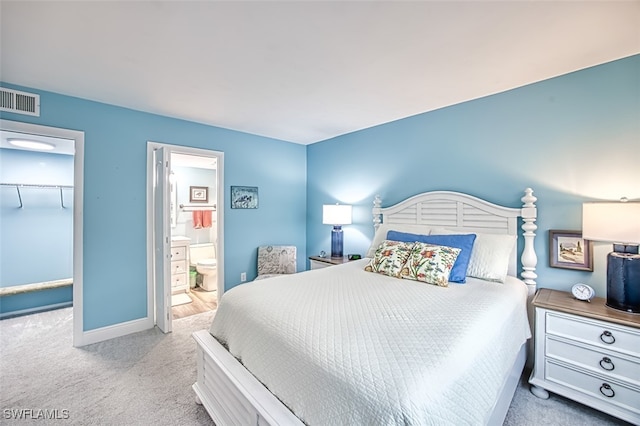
{"type": "Point", "coordinates": [341, 346]}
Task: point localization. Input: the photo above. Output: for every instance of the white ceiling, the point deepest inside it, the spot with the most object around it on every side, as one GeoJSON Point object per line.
{"type": "Point", "coordinates": [304, 71]}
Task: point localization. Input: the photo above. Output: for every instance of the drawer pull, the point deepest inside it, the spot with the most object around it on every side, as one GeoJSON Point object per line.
{"type": "Point", "coordinates": [607, 337]}
{"type": "Point", "coordinates": [608, 392]}
{"type": "Point", "coordinates": [608, 365]}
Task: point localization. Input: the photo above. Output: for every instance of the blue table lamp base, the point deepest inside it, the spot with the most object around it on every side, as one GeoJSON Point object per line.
{"type": "Point", "coordinates": [336, 241]}
{"type": "Point", "coordinates": [623, 278]}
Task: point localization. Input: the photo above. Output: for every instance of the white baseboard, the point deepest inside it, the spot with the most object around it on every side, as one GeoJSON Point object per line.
{"type": "Point", "coordinates": [112, 331]}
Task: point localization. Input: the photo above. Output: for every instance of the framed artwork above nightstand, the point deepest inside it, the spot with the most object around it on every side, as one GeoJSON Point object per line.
{"type": "Point", "coordinates": [568, 250]}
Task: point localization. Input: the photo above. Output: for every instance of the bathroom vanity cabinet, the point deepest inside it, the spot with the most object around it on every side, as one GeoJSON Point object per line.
{"type": "Point", "coordinates": [179, 265]}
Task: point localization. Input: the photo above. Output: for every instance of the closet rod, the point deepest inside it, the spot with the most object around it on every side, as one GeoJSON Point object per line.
{"type": "Point", "coordinates": [36, 185]}
{"type": "Point", "coordinates": [32, 185]}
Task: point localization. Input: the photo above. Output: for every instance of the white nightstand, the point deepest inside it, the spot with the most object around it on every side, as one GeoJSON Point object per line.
{"type": "Point", "coordinates": [318, 262]}
{"type": "Point", "coordinates": [587, 352]}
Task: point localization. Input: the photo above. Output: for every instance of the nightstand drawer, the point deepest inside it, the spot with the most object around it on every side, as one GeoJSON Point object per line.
{"type": "Point", "coordinates": [319, 265]}
{"type": "Point", "coordinates": [598, 361]}
{"type": "Point", "coordinates": [317, 262]}
{"type": "Point", "coordinates": [605, 390]}
{"type": "Point", "coordinates": [601, 334]}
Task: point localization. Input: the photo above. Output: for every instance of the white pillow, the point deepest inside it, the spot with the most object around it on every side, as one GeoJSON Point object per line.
{"type": "Point", "coordinates": [490, 254]}
{"type": "Point", "coordinates": [381, 234]}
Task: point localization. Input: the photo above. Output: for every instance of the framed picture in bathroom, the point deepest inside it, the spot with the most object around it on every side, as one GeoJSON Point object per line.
{"type": "Point", "coordinates": [198, 194]}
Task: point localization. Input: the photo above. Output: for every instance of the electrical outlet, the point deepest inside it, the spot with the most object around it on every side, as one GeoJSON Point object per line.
{"type": "Point", "coordinates": [243, 277]}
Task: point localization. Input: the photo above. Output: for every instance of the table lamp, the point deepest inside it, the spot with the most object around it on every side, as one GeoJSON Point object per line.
{"type": "Point", "coordinates": [618, 223]}
{"type": "Point", "coordinates": [336, 215]}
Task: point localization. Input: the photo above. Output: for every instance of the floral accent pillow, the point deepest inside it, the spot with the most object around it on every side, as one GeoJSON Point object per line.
{"type": "Point", "coordinates": [389, 258]}
{"type": "Point", "coordinates": [430, 264]}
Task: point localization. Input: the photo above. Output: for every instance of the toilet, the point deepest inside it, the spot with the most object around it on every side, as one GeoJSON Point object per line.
{"type": "Point", "coordinates": [203, 257]}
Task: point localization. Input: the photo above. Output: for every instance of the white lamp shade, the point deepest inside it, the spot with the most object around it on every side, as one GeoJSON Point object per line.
{"type": "Point", "coordinates": [336, 214]}
{"type": "Point", "coordinates": [616, 222]}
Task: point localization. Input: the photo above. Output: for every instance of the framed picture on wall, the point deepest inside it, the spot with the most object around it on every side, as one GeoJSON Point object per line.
{"type": "Point", "coordinates": [568, 250]}
{"type": "Point", "coordinates": [244, 197]}
{"type": "Point", "coordinates": [198, 194]}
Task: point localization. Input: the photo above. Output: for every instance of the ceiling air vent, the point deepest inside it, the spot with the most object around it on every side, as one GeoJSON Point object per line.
{"type": "Point", "coordinates": [19, 102]}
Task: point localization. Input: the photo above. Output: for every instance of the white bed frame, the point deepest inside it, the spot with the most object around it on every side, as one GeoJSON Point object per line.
{"type": "Point", "coordinates": [233, 396]}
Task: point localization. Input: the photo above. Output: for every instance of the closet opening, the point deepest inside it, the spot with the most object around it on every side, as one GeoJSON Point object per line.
{"type": "Point", "coordinates": [40, 222]}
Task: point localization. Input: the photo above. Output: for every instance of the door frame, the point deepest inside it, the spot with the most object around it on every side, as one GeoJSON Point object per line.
{"type": "Point", "coordinates": [78, 203]}
{"type": "Point", "coordinates": [161, 245]}
{"type": "Point", "coordinates": [151, 218]}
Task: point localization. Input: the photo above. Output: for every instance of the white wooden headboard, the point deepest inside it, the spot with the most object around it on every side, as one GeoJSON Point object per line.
{"type": "Point", "coordinates": [466, 213]}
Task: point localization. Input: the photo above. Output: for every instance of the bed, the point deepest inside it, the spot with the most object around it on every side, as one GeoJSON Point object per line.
{"type": "Point", "coordinates": [347, 345]}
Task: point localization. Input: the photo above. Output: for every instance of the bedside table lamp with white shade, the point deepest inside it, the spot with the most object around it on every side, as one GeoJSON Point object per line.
{"type": "Point", "coordinates": [618, 223]}
{"type": "Point", "coordinates": [336, 215]}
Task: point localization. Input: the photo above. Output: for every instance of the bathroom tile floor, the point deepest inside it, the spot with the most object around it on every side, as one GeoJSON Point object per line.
{"type": "Point", "coordinates": [202, 301]}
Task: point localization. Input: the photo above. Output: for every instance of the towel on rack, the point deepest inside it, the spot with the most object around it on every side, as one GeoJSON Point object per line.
{"type": "Point", "coordinates": [202, 219]}
{"type": "Point", "coordinates": [197, 219]}
{"type": "Point", "coordinates": [207, 218]}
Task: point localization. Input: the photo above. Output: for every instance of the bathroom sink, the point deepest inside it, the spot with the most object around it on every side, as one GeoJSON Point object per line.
{"type": "Point", "coordinates": [179, 238]}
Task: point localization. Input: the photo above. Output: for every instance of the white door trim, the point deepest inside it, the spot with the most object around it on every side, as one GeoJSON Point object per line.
{"type": "Point", "coordinates": [161, 244]}
{"type": "Point", "coordinates": [78, 195]}
{"type": "Point", "coordinates": [178, 149]}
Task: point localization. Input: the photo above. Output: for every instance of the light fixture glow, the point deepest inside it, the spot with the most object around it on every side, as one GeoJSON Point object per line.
{"type": "Point", "coordinates": [614, 222]}
{"type": "Point", "coordinates": [25, 143]}
{"type": "Point", "coordinates": [336, 214]}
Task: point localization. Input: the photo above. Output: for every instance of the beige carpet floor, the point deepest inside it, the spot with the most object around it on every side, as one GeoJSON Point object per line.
{"type": "Point", "coordinates": [141, 379]}
{"type": "Point", "coordinates": [145, 378]}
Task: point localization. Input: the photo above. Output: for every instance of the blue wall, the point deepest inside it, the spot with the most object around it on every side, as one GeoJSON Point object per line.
{"type": "Point", "coordinates": [36, 243]}
{"type": "Point", "coordinates": [572, 138]}
{"type": "Point", "coordinates": [115, 197]}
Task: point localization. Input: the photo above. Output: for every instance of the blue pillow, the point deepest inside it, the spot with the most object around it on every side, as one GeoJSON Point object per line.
{"type": "Point", "coordinates": [463, 242]}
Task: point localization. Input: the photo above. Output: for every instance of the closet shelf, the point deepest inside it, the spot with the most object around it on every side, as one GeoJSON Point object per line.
{"type": "Point", "coordinates": [43, 186]}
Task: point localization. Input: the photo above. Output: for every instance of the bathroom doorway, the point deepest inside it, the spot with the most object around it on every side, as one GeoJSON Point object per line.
{"type": "Point", "coordinates": [185, 251]}
{"type": "Point", "coordinates": [193, 195]}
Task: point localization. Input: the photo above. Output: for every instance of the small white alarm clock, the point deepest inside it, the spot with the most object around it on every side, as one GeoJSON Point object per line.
{"type": "Point", "coordinates": [583, 292]}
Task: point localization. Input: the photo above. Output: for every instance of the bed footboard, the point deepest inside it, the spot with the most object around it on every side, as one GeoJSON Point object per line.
{"type": "Point", "coordinates": [233, 396]}
{"type": "Point", "coordinates": [229, 393]}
